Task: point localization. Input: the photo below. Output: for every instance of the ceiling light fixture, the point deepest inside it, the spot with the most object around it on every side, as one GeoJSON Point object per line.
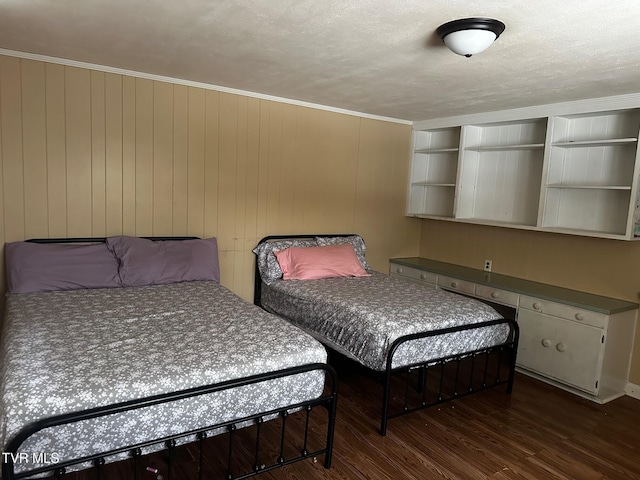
{"type": "Point", "coordinates": [469, 36]}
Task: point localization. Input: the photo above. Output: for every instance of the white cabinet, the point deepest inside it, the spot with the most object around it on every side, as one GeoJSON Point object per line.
{"type": "Point", "coordinates": [561, 349]}
{"type": "Point", "coordinates": [573, 174]}
{"type": "Point", "coordinates": [583, 349]}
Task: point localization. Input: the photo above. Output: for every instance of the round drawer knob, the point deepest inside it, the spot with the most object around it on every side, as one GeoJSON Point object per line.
{"type": "Point", "coordinates": [546, 342]}
{"type": "Point", "coordinates": [536, 305]}
{"type": "Point", "coordinates": [423, 276]}
{"type": "Point", "coordinates": [454, 284]}
{"type": "Point", "coordinates": [495, 294]}
{"type": "Point", "coordinates": [579, 316]}
{"type": "Point", "coordinates": [561, 347]}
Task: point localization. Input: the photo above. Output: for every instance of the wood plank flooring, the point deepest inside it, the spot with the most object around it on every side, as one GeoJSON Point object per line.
{"type": "Point", "coordinates": [539, 432]}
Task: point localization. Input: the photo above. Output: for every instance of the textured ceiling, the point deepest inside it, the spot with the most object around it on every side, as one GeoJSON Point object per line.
{"type": "Point", "coordinates": [379, 57]}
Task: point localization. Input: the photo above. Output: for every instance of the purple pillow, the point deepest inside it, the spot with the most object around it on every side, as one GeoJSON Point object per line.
{"type": "Point", "coordinates": [145, 262]}
{"type": "Point", "coordinates": [42, 267]}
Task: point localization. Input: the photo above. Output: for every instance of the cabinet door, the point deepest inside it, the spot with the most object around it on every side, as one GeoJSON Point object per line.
{"type": "Point", "coordinates": [561, 349]}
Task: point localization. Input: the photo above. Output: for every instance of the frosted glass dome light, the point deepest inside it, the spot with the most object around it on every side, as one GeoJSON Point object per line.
{"type": "Point", "coordinates": [469, 36]}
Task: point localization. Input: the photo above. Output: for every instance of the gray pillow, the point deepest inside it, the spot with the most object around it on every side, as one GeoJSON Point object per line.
{"type": "Point", "coordinates": [268, 265]}
{"type": "Point", "coordinates": [42, 267]}
{"type": "Point", "coordinates": [145, 262]}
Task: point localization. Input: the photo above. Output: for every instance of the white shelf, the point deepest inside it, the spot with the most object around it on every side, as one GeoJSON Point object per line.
{"type": "Point", "coordinates": [593, 187]}
{"type": "Point", "coordinates": [428, 184]}
{"type": "Point", "coordinates": [596, 143]}
{"type": "Point", "coordinates": [431, 151]}
{"type": "Point", "coordinates": [498, 148]}
{"type": "Point", "coordinates": [577, 174]}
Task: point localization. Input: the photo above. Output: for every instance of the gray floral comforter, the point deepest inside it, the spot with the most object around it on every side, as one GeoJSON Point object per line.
{"type": "Point", "coordinates": [363, 316]}
{"type": "Point", "coordinates": [68, 351]}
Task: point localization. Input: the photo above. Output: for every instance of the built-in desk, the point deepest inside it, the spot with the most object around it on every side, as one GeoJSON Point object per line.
{"type": "Point", "coordinates": [575, 340]}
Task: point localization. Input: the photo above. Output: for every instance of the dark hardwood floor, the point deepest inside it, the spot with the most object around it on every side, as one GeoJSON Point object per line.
{"type": "Point", "coordinates": [539, 432]}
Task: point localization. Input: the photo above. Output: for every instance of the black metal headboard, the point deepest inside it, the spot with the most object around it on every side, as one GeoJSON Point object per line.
{"type": "Point", "coordinates": [257, 284]}
{"type": "Point", "coordinates": [100, 239]}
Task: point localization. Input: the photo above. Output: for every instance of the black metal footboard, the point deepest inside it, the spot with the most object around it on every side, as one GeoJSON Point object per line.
{"type": "Point", "coordinates": [58, 466]}
{"type": "Point", "coordinates": [482, 369]}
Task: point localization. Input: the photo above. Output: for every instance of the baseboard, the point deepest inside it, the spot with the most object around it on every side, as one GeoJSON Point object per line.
{"type": "Point", "coordinates": [633, 390]}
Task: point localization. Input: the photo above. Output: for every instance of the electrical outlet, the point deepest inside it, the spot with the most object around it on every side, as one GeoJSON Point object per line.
{"type": "Point", "coordinates": [487, 265]}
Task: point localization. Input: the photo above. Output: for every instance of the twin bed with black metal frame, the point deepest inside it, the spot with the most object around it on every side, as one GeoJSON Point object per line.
{"type": "Point", "coordinates": [96, 375]}
{"type": "Point", "coordinates": [442, 344]}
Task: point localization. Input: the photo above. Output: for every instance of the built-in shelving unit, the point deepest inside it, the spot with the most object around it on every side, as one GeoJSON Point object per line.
{"type": "Point", "coordinates": [500, 171]}
{"type": "Point", "coordinates": [433, 173]}
{"type": "Point", "coordinates": [574, 173]}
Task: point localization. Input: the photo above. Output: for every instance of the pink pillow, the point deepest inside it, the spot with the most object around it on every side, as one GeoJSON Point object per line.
{"type": "Point", "coordinates": [300, 263]}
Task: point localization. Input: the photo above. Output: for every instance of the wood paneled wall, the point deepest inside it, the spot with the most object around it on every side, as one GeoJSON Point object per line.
{"type": "Point", "coordinates": [87, 153]}
{"type": "Point", "coordinates": [594, 265]}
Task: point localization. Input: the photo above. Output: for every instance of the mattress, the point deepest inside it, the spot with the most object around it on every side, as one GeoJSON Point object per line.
{"type": "Point", "coordinates": [67, 351]}
{"type": "Point", "coordinates": [363, 316]}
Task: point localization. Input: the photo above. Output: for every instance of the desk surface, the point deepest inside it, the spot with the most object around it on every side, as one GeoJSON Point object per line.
{"type": "Point", "coordinates": [584, 300]}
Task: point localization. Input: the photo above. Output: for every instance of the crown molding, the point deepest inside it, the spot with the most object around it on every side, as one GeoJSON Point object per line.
{"type": "Point", "coordinates": [189, 83]}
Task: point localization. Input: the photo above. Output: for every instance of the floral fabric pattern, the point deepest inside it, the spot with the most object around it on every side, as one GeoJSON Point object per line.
{"type": "Point", "coordinates": [268, 265]}
{"type": "Point", "coordinates": [67, 351]}
{"type": "Point", "coordinates": [362, 316]}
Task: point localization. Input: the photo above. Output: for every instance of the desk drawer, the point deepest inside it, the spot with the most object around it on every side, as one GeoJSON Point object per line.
{"type": "Point", "coordinates": [413, 274]}
{"type": "Point", "coordinates": [561, 310]}
{"type": "Point", "coordinates": [455, 284]}
{"type": "Point", "coordinates": [496, 295]}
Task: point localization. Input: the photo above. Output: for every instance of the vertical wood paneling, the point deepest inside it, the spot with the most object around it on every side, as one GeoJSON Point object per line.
{"type": "Point", "coordinates": [273, 167]}
{"type": "Point", "coordinates": [98, 155]}
{"type": "Point", "coordinates": [113, 154]}
{"type": "Point", "coordinates": [251, 196]}
{"type": "Point", "coordinates": [78, 139]}
{"type": "Point", "coordinates": [211, 161]}
{"type": "Point", "coordinates": [128, 156]}
{"type": "Point", "coordinates": [211, 152]}
{"type": "Point", "coordinates": [227, 171]}
{"type": "Point", "coordinates": [382, 176]}
{"type": "Point", "coordinates": [195, 169]}
{"type": "Point", "coordinates": [162, 158]}
{"type": "Point", "coordinates": [287, 169]}
{"type": "Point", "coordinates": [263, 170]}
{"type": "Point", "coordinates": [144, 157]}
{"type": "Point", "coordinates": [180, 154]}
{"type": "Point", "coordinates": [240, 205]}
{"type": "Point", "coordinates": [12, 166]}
{"type": "Point", "coordinates": [34, 149]}
{"type": "Point", "coordinates": [56, 151]}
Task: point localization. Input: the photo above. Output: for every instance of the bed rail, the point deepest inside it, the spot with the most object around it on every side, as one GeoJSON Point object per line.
{"type": "Point", "coordinates": [327, 400]}
{"type": "Point", "coordinates": [100, 239]}
{"type": "Point", "coordinates": [488, 377]}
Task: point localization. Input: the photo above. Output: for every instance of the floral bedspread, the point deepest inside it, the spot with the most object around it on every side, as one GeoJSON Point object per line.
{"type": "Point", "coordinates": [363, 316]}
{"type": "Point", "coordinates": [67, 351]}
